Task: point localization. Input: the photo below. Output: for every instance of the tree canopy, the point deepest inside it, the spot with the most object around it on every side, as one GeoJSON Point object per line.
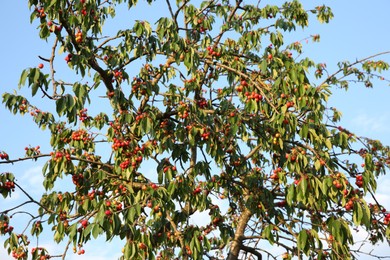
{"type": "Point", "coordinates": [204, 109]}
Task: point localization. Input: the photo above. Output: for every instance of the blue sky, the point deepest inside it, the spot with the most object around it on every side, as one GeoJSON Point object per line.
{"type": "Point", "coordinates": [359, 29]}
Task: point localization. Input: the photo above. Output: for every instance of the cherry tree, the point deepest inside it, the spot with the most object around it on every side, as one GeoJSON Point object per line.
{"type": "Point", "coordinates": [206, 109]}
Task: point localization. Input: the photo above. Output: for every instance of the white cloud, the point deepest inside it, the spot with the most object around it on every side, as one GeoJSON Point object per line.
{"type": "Point", "coordinates": [368, 124]}
{"type": "Point", "coordinates": [32, 179]}
{"type": "Point", "coordinates": [3, 253]}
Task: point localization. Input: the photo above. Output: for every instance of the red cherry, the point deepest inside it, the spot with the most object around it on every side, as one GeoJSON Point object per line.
{"type": "Point", "coordinates": [142, 246]}
{"type": "Point", "coordinates": [40, 65]}
{"type": "Point", "coordinates": [84, 223]}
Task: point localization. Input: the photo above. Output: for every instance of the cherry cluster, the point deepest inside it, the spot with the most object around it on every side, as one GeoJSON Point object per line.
{"type": "Point", "coordinates": [205, 135]}
{"type": "Point", "coordinates": [138, 86]}
{"type": "Point", "coordinates": [289, 104]}
{"type": "Point", "coordinates": [183, 110]}
{"type": "Point", "coordinates": [40, 12]}
{"type": "Point", "coordinates": [63, 216]}
{"type": "Point", "coordinates": [81, 251]}
{"type": "Point", "coordinates": [32, 151]}
{"type": "Point", "coordinates": [116, 126]}
{"type": "Point", "coordinates": [274, 175]}
{"type": "Point", "coordinates": [7, 186]}
{"type": "Point", "coordinates": [201, 103]}
{"type": "Point", "coordinates": [169, 167]}
{"type": "Point", "coordinates": [77, 179]}
{"type": "Point", "coordinates": [290, 156]}
{"type": "Point", "coordinates": [281, 203]}
{"type": "Point", "coordinates": [253, 96]}
{"type": "Point", "coordinates": [68, 58]}
{"type": "Point", "coordinates": [349, 205]}
{"type": "Point", "coordinates": [183, 114]}
{"type": "Point", "coordinates": [386, 221]}
{"type": "Point", "coordinates": [4, 156]}
{"type": "Point", "coordinates": [188, 250]}
{"type": "Point", "coordinates": [23, 107]}
{"type": "Point", "coordinates": [54, 28]}
{"type": "Point", "coordinates": [213, 52]}
{"type": "Point", "coordinates": [94, 193]}
{"type": "Point", "coordinates": [359, 181]}
{"type": "Point", "coordinates": [40, 251]}
{"type": "Point", "coordinates": [355, 195]}
{"type": "Point", "coordinates": [127, 162]}
{"type": "Point", "coordinates": [243, 84]}
{"type": "Point", "coordinates": [118, 143]}
{"type": "Point", "coordinates": [84, 11]}
{"type": "Point", "coordinates": [118, 75]}
{"type": "Point", "coordinates": [115, 205]}
{"type": "Point", "coordinates": [83, 114]}
{"type": "Point", "coordinates": [199, 24]}
{"type": "Point", "coordinates": [19, 253]}
{"type": "Point", "coordinates": [197, 190]}
{"type": "Point", "coordinates": [58, 156]}
{"type": "Point", "coordinates": [134, 158]}
{"type": "Point", "coordinates": [81, 135]}
{"type": "Point", "coordinates": [337, 182]}
{"type": "Point", "coordinates": [36, 111]}
{"type": "Point", "coordinates": [164, 123]}
{"type": "Point", "coordinates": [4, 225]}
{"type": "Point", "coordinates": [140, 116]}
{"type": "Point", "coordinates": [79, 37]}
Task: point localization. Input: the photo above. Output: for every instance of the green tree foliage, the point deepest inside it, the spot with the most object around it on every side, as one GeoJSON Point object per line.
{"type": "Point", "coordinates": [203, 109]}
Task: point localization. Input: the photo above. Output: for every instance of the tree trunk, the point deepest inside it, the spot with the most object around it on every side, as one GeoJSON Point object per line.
{"type": "Point", "coordinates": [237, 241]}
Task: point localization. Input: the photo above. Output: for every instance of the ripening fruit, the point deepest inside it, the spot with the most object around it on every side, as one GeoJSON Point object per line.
{"type": "Point", "coordinates": [79, 37]}
{"type": "Point", "coordinates": [40, 65]}
{"type": "Point", "coordinates": [84, 223]}
{"type": "Point", "coordinates": [239, 88]}
{"type": "Point", "coordinates": [141, 246]}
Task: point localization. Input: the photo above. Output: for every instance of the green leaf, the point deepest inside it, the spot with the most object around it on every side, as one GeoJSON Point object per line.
{"type": "Point", "coordinates": [290, 195]}
{"type": "Point", "coordinates": [357, 214]}
{"type": "Point", "coordinates": [131, 214]}
{"type": "Point", "coordinates": [303, 185]}
{"type": "Point", "coordinates": [23, 78]}
{"type": "Point", "coordinates": [96, 230]}
{"type": "Point", "coordinates": [268, 234]}
{"type": "Point", "coordinates": [302, 239]}
{"type": "Point", "coordinates": [60, 106]}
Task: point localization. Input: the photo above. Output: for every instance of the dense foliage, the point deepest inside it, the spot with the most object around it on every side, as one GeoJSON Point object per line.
{"type": "Point", "coordinates": [205, 109]}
